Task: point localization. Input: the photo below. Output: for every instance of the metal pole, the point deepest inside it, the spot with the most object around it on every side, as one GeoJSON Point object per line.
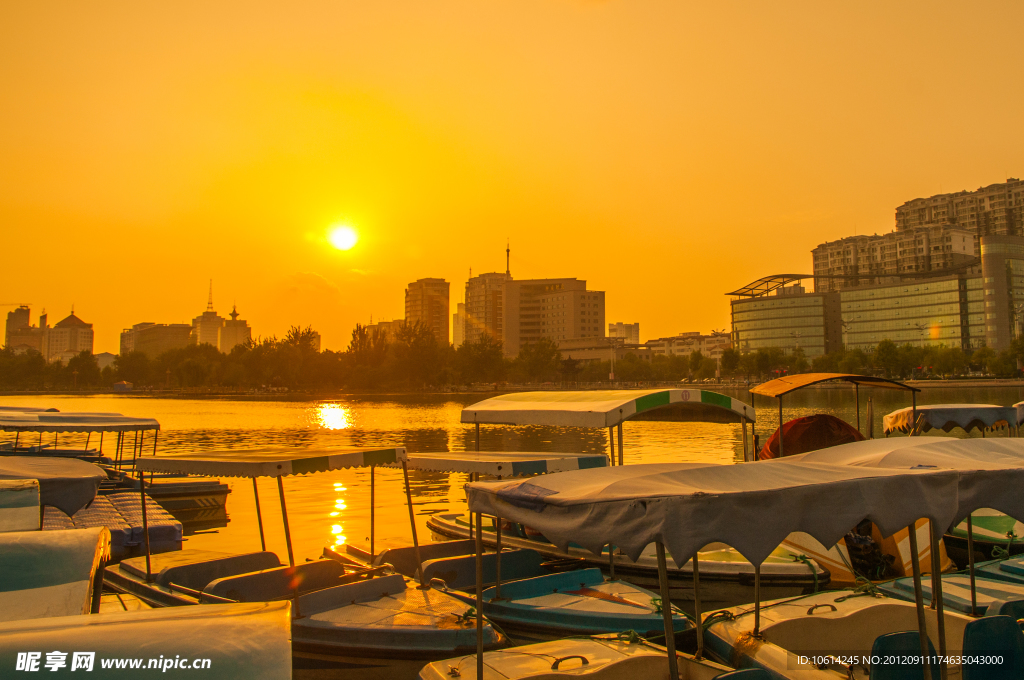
{"type": "Point", "coordinates": [856, 391]}
{"type": "Point", "coordinates": [373, 554]}
{"type": "Point", "coordinates": [620, 444]}
{"type": "Point", "coordinates": [259, 515]}
{"type": "Point", "coordinates": [611, 443]}
{"type": "Point", "coordinates": [101, 444]}
{"type": "Point", "coordinates": [970, 565]}
{"type": "Point", "coordinates": [780, 428]}
{"type": "Point", "coordinates": [284, 516]}
{"type": "Point", "coordinates": [145, 526]}
{"type": "Point", "coordinates": [611, 562]}
{"type": "Point", "coordinates": [412, 523]}
{"type": "Point", "coordinates": [666, 613]}
{"type": "Point", "coordinates": [472, 478]}
{"type": "Point", "coordinates": [937, 600]}
{"type": "Point", "coordinates": [743, 425]}
{"type": "Point", "coordinates": [697, 607]}
{"type": "Point", "coordinates": [478, 436]}
{"type": "Point", "coordinates": [871, 419]}
{"type": "Point", "coordinates": [922, 627]}
{"type": "Point", "coordinates": [156, 435]}
{"type": "Point", "coordinates": [497, 566]}
{"type": "Point", "coordinates": [913, 396]}
{"type": "Point", "coordinates": [479, 595]}
{"type": "Point", "coordinates": [757, 600]}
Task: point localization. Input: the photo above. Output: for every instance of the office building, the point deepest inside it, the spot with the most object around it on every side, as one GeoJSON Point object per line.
{"type": "Point", "coordinates": [210, 328]}
{"type": "Point", "coordinates": [557, 309]}
{"type": "Point", "coordinates": [236, 332]}
{"type": "Point", "coordinates": [20, 335]}
{"type": "Point", "coordinates": [711, 345]}
{"type": "Point", "coordinates": [69, 337]}
{"type": "Point", "coordinates": [153, 339]}
{"type": "Point", "coordinates": [629, 332]}
{"type": "Point", "coordinates": [459, 324]}
{"type": "Point", "coordinates": [483, 303]}
{"type": "Point", "coordinates": [388, 329]}
{"type": "Point", "coordinates": [769, 313]}
{"type": "Point", "coordinates": [426, 302]}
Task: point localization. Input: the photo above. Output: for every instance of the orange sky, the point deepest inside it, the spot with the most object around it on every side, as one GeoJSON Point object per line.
{"type": "Point", "coordinates": [666, 152]}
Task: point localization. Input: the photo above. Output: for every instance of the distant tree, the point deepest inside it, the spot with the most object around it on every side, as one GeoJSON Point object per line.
{"type": "Point", "coordinates": [133, 367]}
{"type": "Point", "coordinates": [481, 361]}
{"type": "Point", "coordinates": [981, 358]}
{"type": "Point", "coordinates": [538, 361]}
{"type": "Point", "coordinates": [696, 359]}
{"type": "Point", "coordinates": [887, 358]}
{"type": "Point", "coordinates": [570, 369]}
{"type": "Point", "coordinates": [730, 361]}
{"type": "Point", "coordinates": [708, 368]}
{"type": "Point", "coordinates": [84, 370]}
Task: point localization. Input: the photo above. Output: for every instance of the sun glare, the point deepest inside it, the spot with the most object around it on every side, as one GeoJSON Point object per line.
{"type": "Point", "coordinates": [343, 238]}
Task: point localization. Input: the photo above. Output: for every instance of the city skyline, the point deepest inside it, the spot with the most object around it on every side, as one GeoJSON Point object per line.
{"type": "Point", "coordinates": [615, 141]}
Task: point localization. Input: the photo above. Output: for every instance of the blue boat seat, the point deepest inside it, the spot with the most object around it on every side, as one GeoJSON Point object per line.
{"type": "Point", "coordinates": [196, 575]}
{"type": "Point", "coordinates": [746, 674]}
{"type": "Point", "coordinates": [1012, 608]}
{"type": "Point", "coordinates": [278, 583]}
{"type": "Point", "coordinates": [905, 643]}
{"type": "Point", "coordinates": [994, 636]}
{"type": "Point", "coordinates": [459, 573]}
{"type": "Point", "coordinates": [404, 559]}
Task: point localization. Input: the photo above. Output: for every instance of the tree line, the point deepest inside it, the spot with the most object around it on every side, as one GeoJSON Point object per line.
{"type": "Point", "coordinates": [413, 359]}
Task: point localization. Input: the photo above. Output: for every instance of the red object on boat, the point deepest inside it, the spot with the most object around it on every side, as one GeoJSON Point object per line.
{"type": "Point", "coordinates": [810, 433]}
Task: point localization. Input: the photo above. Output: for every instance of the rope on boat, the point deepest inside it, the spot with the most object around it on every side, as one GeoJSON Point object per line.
{"type": "Point", "coordinates": [1000, 553]}
{"type": "Point", "coordinates": [810, 565]}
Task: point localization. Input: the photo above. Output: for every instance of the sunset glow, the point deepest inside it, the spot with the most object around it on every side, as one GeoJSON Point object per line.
{"type": "Point", "coordinates": [343, 238]}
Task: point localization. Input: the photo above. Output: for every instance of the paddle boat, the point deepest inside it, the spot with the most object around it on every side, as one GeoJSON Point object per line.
{"type": "Point", "coordinates": [224, 641]}
{"type": "Point", "coordinates": [373, 623]}
{"type": "Point", "coordinates": [525, 598]}
{"type": "Point", "coordinates": [751, 507]}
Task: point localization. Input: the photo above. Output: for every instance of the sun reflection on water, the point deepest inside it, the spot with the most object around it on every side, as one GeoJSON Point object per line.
{"type": "Point", "coordinates": [333, 416]}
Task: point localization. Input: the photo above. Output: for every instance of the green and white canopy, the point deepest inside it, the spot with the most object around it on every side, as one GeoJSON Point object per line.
{"type": "Point", "coordinates": [505, 464]}
{"type": "Point", "coordinates": [46, 421]}
{"type": "Point", "coordinates": [250, 641]}
{"type": "Point", "coordinates": [49, 573]}
{"type": "Point", "coordinates": [19, 505]}
{"type": "Point", "coordinates": [270, 462]}
{"type": "Point", "coordinates": [606, 408]}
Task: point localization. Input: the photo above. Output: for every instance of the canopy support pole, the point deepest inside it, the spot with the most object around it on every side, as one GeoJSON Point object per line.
{"type": "Point", "coordinates": [620, 444]}
{"type": "Point", "coordinates": [101, 444]}
{"type": "Point", "coordinates": [757, 597]}
{"type": "Point", "coordinates": [479, 595]}
{"type": "Point", "coordinates": [937, 599]}
{"type": "Point", "coordinates": [913, 405]}
{"type": "Point", "coordinates": [284, 516]}
{"type": "Point", "coordinates": [478, 436]}
{"type": "Point", "coordinates": [412, 523]}
{"type": "Point", "coordinates": [611, 562]}
{"type": "Point", "coordinates": [145, 526]}
{"type": "Point", "coordinates": [666, 613]}
{"type": "Point", "coordinates": [970, 565]}
{"type": "Point", "coordinates": [18, 434]}
{"type": "Point", "coordinates": [871, 419]}
{"type": "Point", "coordinates": [497, 561]}
{"type": "Point", "coordinates": [697, 608]}
{"type": "Point", "coordinates": [611, 443]}
{"type": "Point", "coordinates": [781, 453]}
{"type": "Point", "coordinates": [743, 425]}
{"type": "Point", "coordinates": [373, 554]}
{"type": "Point", "coordinates": [856, 393]}
{"type": "Point", "coordinates": [922, 627]}
{"type": "Point", "coordinates": [259, 515]}
{"type": "Point", "coordinates": [156, 434]}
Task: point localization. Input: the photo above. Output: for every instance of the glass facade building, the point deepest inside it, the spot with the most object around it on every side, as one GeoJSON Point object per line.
{"type": "Point", "coordinates": [787, 320]}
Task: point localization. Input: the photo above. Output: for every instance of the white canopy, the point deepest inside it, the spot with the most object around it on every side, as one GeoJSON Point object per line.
{"type": "Point", "coordinates": [991, 470]}
{"type": "Point", "coordinates": [750, 507]}
{"type": "Point", "coordinates": [270, 462]}
{"type": "Point", "coordinates": [65, 483]}
{"type": "Point", "coordinates": [605, 408]}
{"type": "Point", "coordinates": [250, 641]}
{"type": "Point", "coordinates": [27, 409]}
{"type": "Point", "coordinates": [45, 421]}
{"type": "Point", "coordinates": [504, 464]}
{"type": "Point", "coordinates": [1019, 406]}
{"type": "Point", "coordinates": [946, 417]}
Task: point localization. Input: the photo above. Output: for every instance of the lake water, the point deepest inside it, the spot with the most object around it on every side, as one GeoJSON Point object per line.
{"type": "Point", "coordinates": [333, 508]}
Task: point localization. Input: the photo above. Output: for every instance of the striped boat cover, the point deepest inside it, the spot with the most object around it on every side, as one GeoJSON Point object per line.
{"type": "Point", "coordinates": [605, 408]}
{"type": "Point", "coordinates": [504, 464]}
{"type": "Point", "coordinates": [1011, 570]}
{"type": "Point", "coordinates": [270, 462]}
{"type": "Point", "coordinates": [49, 573]}
{"type": "Point", "coordinates": [956, 591]}
{"type": "Point", "coordinates": [19, 505]}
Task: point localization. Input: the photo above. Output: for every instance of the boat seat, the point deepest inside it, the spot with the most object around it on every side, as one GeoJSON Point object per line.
{"type": "Point", "coordinates": [460, 572]}
{"type": "Point", "coordinates": [904, 643]}
{"type": "Point", "coordinates": [994, 636]}
{"type": "Point", "coordinates": [277, 583]}
{"type": "Point", "coordinates": [404, 559]}
{"type": "Point", "coordinates": [747, 674]}
{"type": "Point", "coordinates": [197, 574]}
{"type": "Point", "coordinates": [549, 583]}
{"type": "Point", "coordinates": [646, 667]}
{"type": "Point", "coordinates": [1012, 608]}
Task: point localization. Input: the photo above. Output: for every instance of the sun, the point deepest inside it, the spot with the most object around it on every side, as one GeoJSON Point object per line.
{"type": "Point", "coordinates": [343, 238]}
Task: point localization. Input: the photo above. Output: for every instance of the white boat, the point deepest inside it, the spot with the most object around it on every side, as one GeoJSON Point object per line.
{"type": "Point", "coordinates": [367, 621]}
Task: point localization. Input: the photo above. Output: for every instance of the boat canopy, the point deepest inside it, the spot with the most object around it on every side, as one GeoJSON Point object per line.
{"type": "Point", "coordinates": [50, 573]}
{"type": "Point", "coordinates": [947, 417]}
{"type": "Point", "coordinates": [1020, 412]}
{"type": "Point", "coordinates": [504, 464]}
{"type": "Point", "coordinates": [791, 383]}
{"type": "Point", "coordinates": [687, 506]}
{"type": "Point", "coordinates": [991, 470]}
{"type": "Point", "coordinates": [270, 462]}
{"type": "Point", "coordinates": [607, 408]}
{"type": "Point", "coordinates": [250, 641]}
{"type": "Point", "coordinates": [46, 421]}
{"type": "Point", "coordinates": [27, 409]}
{"type": "Point", "coordinates": [68, 484]}
{"type": "Point", "coordinates": [19, 505]}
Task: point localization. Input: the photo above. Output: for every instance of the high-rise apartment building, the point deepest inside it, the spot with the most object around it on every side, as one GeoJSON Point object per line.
{"type": "Point", "coordinates": [459, 324]}
{"type": "Point", "coordinates": [629, 332]}
{"type": "Point", "coordinates": [557, 309]}
{"type": "Point", "coordinates": [484, 306]}
{"type": "Point", "coordinates": [20, 335]}
{"type": "Point", "coordinates": [995, 210]}
{"type": "Point", "coordinates": [426, 302]}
